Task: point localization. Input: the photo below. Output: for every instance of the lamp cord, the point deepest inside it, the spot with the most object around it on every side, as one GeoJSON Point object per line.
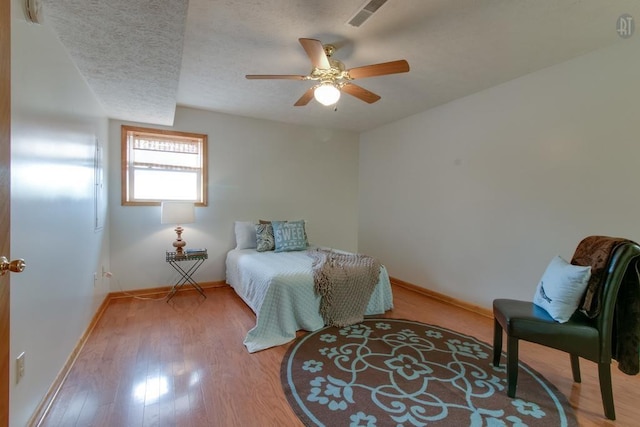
{"type": "Point", "coordinates": [138, 297]}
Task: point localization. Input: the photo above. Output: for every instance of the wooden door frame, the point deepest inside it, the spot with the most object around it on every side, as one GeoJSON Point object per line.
{"type": "Point", "coordinates": [5, 210]}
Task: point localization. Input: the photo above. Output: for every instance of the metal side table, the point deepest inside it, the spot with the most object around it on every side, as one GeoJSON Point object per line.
{"type": "Point", "coordinates": [186, 265]}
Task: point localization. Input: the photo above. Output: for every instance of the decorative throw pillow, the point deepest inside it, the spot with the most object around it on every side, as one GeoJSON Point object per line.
{"type": "Point", "coordinates": [289, 236]}
{"type": "Point", "coordinates": [245, 235]}
{"type": "Point", "coordinates": [264, 237]}
{"type": "Point", "coordinates": [561, 288]}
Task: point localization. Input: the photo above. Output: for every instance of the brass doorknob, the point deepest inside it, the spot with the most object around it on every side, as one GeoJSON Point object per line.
{"type": "Point", "coordinates": [17, 265]}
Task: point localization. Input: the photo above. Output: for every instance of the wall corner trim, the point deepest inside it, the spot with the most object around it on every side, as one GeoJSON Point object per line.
{"type": "Point", "coordinates": [443, 298]}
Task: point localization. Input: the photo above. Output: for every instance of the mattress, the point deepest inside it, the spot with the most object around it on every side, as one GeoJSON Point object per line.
{"type": "Point", "coordinates": [278, 287]}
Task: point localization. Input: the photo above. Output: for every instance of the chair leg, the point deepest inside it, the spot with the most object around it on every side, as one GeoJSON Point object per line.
{"type": "Point", "coordinates": [604, 374]}
{"type": "Point", "coordinates": [512, 365]}
{"type": "Point", "coordinates": [575, 368]}
{"type": "Point", "coordinates": [497, 342]}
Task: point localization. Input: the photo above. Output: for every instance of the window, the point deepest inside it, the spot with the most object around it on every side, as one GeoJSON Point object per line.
{"type": "Point", "coordinates": [162, 165]}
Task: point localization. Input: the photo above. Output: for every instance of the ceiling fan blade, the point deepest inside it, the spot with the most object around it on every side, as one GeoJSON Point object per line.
{"type": "Point", "coordinates": [315, 52]}
{"type": "Point", "coordinates": [275, 76]}
{"type": "Point", "coordinates": [360, 93]}
{"type": "Point", "coordinates": [393, 67]}
{"type": "Point", "coordinates": [305, 98]}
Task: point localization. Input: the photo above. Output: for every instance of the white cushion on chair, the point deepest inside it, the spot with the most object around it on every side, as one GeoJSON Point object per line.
{"type": "Point", "coordinates": [561, 288]}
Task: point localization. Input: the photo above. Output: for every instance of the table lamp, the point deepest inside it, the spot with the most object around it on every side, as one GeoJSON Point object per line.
{"type": "Point", "coordinates": [178, 213]}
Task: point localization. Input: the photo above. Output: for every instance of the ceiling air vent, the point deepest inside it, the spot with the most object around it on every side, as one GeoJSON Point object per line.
{"type": "Point", "coordinates": [365, 12]}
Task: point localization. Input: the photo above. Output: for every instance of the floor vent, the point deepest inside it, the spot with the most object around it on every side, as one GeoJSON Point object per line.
{"type": "Point", "coordinates": [365, 12]}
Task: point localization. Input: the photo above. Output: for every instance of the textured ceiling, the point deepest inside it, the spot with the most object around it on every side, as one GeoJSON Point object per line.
{"type": "Point", "coordinates": [130, 52]}
{"type": "Point", "coordinates": [142, 58]}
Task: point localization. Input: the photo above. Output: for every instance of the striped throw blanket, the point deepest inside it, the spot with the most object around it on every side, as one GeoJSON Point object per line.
{"type": "Point", "coordinates": [345, 282]}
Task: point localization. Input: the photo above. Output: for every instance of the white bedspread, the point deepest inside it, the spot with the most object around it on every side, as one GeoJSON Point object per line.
{"type": "Point", "coordinates": [278, 286]}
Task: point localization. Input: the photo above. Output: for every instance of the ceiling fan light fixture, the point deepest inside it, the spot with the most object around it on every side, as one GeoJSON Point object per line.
{"type": "Point", "coordinates": [327, 94]}
{"type": "Point", "coordinates": [331, 76]}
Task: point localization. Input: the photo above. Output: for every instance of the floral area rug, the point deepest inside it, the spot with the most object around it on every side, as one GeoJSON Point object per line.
{"type": "Point", "coordinates": [389, 372]}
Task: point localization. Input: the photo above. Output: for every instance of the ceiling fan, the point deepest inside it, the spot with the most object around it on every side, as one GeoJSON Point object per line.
{"type": "Point", "coordinates": [332, 77]}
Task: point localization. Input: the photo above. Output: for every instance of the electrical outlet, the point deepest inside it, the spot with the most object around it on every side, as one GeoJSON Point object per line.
{"type": "Point", "coordinates": [19, 367]}
{"type": "Point", "coordinates": [95, 279]}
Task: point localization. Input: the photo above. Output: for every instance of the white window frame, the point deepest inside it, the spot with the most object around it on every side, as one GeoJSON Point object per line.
{"type": "Point", "coordinates": [192, 141]}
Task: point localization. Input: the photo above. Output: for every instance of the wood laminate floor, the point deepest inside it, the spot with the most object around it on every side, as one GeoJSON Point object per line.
{"type": "Point", "coordinates": [182, 363]}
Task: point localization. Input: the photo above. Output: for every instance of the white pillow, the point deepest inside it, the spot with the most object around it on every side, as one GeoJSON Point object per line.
{"type": "Point", "coordinates": [561, 288]}
{"type": "Point", "coordinates": [245, 235]}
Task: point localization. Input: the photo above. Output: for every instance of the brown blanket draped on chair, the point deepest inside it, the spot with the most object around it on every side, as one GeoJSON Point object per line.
{"type": "Point", "coordinates": [596, 252]}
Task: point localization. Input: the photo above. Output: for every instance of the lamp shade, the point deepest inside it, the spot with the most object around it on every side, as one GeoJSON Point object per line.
{"type": "Point", "coordinates": [327, 94]}
{"type": "Point", "coordinates": [177, 213]}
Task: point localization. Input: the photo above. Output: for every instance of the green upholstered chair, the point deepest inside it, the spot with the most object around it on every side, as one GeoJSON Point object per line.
{"type": "Point", "coordinates": [581, 336]}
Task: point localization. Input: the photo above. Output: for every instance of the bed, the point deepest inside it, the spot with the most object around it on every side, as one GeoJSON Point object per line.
{"type": "Point", "coordinates": [279, 288]}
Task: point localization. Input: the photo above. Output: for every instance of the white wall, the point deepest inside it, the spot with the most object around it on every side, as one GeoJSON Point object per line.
{"type": "Point", "coordinates": [474, 198]}
{"type": "Point", "coordinates": [257, 170]}
{"type": "Point", "coordinates": [55, 120]}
